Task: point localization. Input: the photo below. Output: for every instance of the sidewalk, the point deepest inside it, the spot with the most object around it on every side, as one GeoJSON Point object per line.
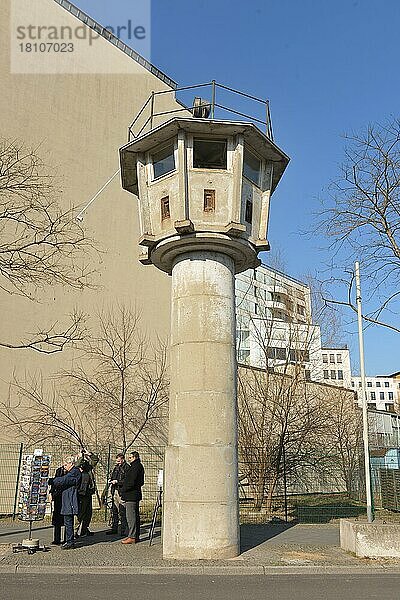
{"type": "Point", "coordinates": [266, 549]}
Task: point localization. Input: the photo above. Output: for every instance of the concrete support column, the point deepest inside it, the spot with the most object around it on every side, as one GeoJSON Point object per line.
{"type": "Point", "coordinates": [200, 518]}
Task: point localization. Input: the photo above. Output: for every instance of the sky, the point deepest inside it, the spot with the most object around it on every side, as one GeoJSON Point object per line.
{"type": "Point", "coordinates": [327, 67]}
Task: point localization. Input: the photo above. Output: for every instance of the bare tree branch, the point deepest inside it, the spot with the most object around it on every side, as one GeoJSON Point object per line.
{"type": "Point", "coordinates": [41, 243]}
{"type": "Point", "coordinates": [362, 218]}
{"type": "Point", "coordinates": [117, 393]}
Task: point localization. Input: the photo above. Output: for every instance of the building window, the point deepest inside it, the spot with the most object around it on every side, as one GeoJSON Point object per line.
{"type": "Point", "coordinates": [332, 358]}
{"type": "Point", "coordinates": [352, 384]}
{"type": "Point", "coordinates": [378, 384]}
{"type": "Point", "coordinates": [244, 355]}
{"type": "Point", "coordinates": [390, 397]}
{"type": "Point", "coordinates": [276, 353]}
{"type": "Point", "coordinates": [300, 309]}
{"type": "Point", "coordinates": [372, 405]}
{"type": "Point", "coordinates": [243, 337]}
{"type": "Point", "coordinates": [340, 375]}
{"type": "Point", "coordinates": [165, 214]}
{"type": "Point", "coordinates": [369, 383]}
{"type": "Point", "coordinates": [333, 374]}
{"type": "Point", "coordinates": [307, 375]}
{"type": "Point", "coordinates": [381, 395]}
{"type": "Point", "coordinates": [326, 374]}
{"type": "Point", "coordinates": [251, 167]}
{"type": "Point", "coordinates": [325, 358]}
{"type": "Point", "coordinates": [209, 200]}
{"type": "Point", "coordinates": [163, 161]}
{"type": "Point", "coordinates": [249, 211]}
{"type": "Point", "coordinates": [373, 396]}
{"type": "Point", "coordinates": [281, 353]}
{"type": "Point", "coordinates": [209, 154]}
{"type": "Point", "coordinates": [359, 384]}
{"type": "Point", "coordinates": [386, 384]}
{"type": "Point", "coordinates": [338, 358]}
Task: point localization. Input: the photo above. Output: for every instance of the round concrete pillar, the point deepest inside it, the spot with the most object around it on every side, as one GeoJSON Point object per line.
{"type": "Point", "coordinates": [200, 518]}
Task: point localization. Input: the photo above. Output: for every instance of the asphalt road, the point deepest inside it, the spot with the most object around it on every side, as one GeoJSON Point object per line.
{"type": "Point", "coordinates": [21, 586]}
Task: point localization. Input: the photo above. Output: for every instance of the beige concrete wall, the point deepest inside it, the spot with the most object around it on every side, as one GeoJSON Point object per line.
{"type": "Point", "coordinates": [78, 122]}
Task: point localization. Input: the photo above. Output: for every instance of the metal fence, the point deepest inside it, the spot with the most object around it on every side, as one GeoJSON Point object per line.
{"type": "Point", "coordinates": [390, 488]}
{"type": "Point", "coordinates": [11, 458]}
{"type": "Point", "coordinates": [308, 497]}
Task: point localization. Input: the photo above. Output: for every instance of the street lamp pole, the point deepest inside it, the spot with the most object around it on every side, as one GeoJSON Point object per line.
{"type": "Point", "coordinates": [370, 516]}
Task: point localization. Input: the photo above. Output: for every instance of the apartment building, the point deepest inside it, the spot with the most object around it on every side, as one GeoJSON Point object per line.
{"type": "Point", "coordinates": [275, 328]}
{"type": "Point", "coordinates": [383, 392]}
{"type": "Point", "coordinates": [336, 366]}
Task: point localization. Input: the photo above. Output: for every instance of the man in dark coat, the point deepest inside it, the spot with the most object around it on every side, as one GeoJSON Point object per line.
{"type": "Point", "coordinates": [86, 462]}
{"type": "Point", "coordinates": [57, 519]}
{"type": "Point", "coordinates": [69, 484]}
{"type": "Point", "coordinates": [118, 505]}
{"type": "Point", "coordinates": [85, 492]}
{"type": "Point", "coordinates": [131, 492]}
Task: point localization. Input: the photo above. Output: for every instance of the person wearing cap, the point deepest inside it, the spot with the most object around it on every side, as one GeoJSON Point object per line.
{"type": "Point", "coordinates": [68, 484]}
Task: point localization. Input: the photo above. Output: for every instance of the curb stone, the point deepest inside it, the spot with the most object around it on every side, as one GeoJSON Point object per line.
{"type": "Point", "coordinates": [206, 570]}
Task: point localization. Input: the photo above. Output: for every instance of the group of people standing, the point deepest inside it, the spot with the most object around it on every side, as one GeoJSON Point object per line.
{"type": "Point", "coordinates": [127, 479]}
{"type": "Point", "coordinates": [72, 489]}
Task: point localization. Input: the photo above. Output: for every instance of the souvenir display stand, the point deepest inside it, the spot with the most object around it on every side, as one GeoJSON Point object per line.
{"type": "Point", "coordinates": [33, 496]}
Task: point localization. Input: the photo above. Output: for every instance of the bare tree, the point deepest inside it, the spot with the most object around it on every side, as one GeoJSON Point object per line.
{"type": "Point", "coordinates": [325, 314]}
{"type": "Point", "coordinates": [287, 422]}
{"type": "Point", "coordinates": [362, 218]}
{"type": "Point", "coordinates": [41, 243]}
{"type": "Point", "coordinates": [116, 394]}
{"type": "Point", "coordinates": [279, 417]}
{"type": "Point", "coordinates": [280, 422]}
{"type": "Point", "coordinates": [41, 412]}
{"type": "Point", "coordinates": [343, 436]}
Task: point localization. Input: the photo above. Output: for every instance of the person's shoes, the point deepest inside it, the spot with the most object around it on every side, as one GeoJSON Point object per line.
{"type": "Point", "coordinates": [67, 546]}
{"type": "Point", "coordinates": [54, 543]}
{"type": "Point", "coordinates": [111, 532]}
{"type": "Point", "coordinates": [87, 533]}
{"type": "Point", "coordinates": [129, 540]}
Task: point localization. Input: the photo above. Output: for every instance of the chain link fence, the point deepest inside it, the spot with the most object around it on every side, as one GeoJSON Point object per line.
{"type": "Point", "coordinates": [308, 497]}
{"type": "Point", "coordinates": [11, 456]}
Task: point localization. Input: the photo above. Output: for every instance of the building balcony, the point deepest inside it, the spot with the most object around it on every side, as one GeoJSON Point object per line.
{"type": "Point", "coordinates": [276, 305]}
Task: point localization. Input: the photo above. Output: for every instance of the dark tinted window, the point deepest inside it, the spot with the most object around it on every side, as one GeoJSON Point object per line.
{"type": "Point", "coordinates": [209, 154]}
{"type": "Point", "coordinates": [251, 167]}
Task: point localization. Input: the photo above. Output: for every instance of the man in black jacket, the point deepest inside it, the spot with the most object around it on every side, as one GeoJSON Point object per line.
{"type": "Point", "coordinates": [131, 492]}
{"type": "Point", "coordinates": [118, 505]}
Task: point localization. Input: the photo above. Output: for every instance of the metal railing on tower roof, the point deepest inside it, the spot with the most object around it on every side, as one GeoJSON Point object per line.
{"type": "Point", "coordinates": [146, 119]}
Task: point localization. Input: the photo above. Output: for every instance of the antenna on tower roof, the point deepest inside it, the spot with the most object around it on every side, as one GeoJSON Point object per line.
{"type": "Point", "coordinates": [201, 108]}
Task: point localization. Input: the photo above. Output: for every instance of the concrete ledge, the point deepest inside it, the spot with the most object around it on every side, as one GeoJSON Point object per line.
{"type": "Point", "coordinates": [370, 540]}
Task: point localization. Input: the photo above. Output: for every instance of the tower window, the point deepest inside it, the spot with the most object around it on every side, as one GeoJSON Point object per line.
{"type": "Point", "coordinates": [209, 154]}
{"type": "Point", "coordinates": [163, 161]}
{"type": "Point", "coordinates": [165, 213]}
{"type": "Point", "coordinates": [249, 211]}
{"type": "Point", "coordinates": [251, 167]}
{"type": "Point", "coordinates": [209, 200]}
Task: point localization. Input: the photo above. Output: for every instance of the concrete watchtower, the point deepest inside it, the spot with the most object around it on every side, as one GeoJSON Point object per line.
{"type": "Point", "coordinates": [204, 188]}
